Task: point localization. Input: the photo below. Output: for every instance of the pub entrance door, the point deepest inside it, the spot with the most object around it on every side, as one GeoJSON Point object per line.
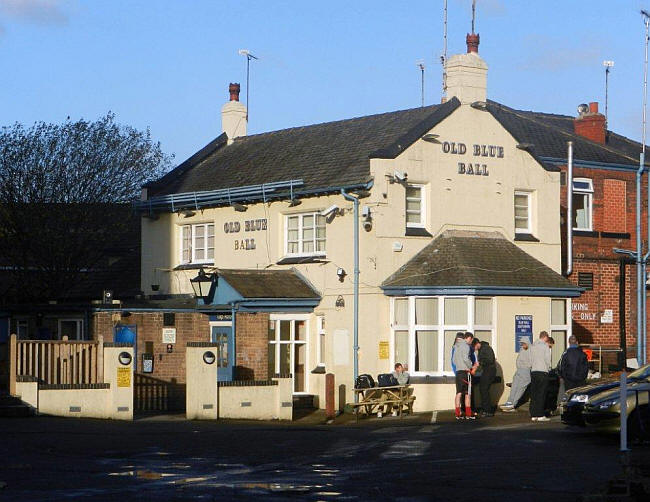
{"type": "Point", "coordinates": [225, 340]}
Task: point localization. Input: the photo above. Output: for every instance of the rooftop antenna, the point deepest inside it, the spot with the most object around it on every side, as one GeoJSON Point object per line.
{"type": "Point", "coordinates": [249, 56]}
{"type": "Point", "coordinates": [607, 65]}
{"type": "Point", "coordinates": [443, 58]}
{"type": "Point", "coordinates": [473, 14]}
{"type": "Point", "coordinates": [420, 64]}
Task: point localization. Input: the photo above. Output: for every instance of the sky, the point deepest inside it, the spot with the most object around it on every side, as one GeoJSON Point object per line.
{"type": "Point", "coordinates": [166, 64]}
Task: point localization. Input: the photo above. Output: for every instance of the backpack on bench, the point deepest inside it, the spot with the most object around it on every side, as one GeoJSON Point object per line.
{"type": "Point", "coordinates": [364, 381]}
{"type": "Point", "coordinates": [386, 380]}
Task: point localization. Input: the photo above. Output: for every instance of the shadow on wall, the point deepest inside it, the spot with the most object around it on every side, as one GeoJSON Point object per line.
{"type": "Point", "coordinates": [584, 335]}
{"type": "Point", "coordinates": [244, 373]}
{"type": "Point", "coordinates": [153, 394]}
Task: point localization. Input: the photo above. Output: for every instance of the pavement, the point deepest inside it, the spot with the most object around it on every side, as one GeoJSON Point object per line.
{"type": "Point", "coordinates": [421, 457]}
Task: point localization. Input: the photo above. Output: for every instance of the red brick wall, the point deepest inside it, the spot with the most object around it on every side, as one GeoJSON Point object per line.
{"type": "Point", "coordinates": [615, 210]}
{"type": "Point", "coordinates": [169, 367]}
{"type": "Point", "coordinates": [252, 346]}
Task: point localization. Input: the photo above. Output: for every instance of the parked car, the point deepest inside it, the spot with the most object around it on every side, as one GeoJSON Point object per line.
{"type": "Point", "coordinates": [603, 411]}
{"type": "Point", "coordinates": [574, 400]}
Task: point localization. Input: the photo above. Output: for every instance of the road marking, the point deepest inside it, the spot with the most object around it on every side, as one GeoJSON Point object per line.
{"type": "Point", "coordinates": [406, 449]}
{"type": "Point", "coordinates": [434, 417]}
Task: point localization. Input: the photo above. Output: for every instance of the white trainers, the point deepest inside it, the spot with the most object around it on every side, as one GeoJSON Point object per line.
{"type": "Point", "coordinates": [394, 413]}
{"type": "Point", "coordinates": [543, 419]}
{"type": "Point", "coordinates": [379, 414]}
{"type": "Point", "coordinates": [534, 419]}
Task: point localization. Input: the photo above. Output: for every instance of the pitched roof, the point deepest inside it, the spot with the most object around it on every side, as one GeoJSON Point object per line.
{"type": "Point", "coordinates": [460, 258]}
{"type": "Point", "coordinates": [548, 134]}
{"type": "Point", "coordinates": [336, 154]}
{"type": "Point", "coordinates": [322, 155]}
{"type": "Point", "coordinates": [268, 283]}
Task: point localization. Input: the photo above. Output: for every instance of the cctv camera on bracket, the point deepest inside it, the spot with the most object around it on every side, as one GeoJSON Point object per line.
{"type": "Point", "coordinates": [332, 210]}
{"type": "Point", "coordinates": [397, 177]}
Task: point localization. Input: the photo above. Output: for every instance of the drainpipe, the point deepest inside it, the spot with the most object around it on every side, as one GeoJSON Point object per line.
{"type": "Point", "coordinates": [621, 313]}
{"type": "Point", "coordinates": [355, 200]}
{"type": "Point", "coordinates": [641, 287]}
{"type": "Point", "coordinates": [569, 210]}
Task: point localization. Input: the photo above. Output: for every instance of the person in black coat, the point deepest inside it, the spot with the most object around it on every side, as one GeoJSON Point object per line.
{"type": "Point", "coordinates": [488, 372]}
{"type": "Point", "coordinates": [573, 366]}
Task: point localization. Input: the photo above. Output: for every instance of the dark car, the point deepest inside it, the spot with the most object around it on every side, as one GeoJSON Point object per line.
{"type": "Point", "coordinates": [574, 400]}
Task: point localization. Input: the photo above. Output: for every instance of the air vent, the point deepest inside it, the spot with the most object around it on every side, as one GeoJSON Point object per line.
{"type": "Point", "coordinates": [586, 280]}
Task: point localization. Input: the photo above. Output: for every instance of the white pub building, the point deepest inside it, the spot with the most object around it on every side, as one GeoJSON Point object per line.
{"type": "Point", "coordinates": [458, 230]}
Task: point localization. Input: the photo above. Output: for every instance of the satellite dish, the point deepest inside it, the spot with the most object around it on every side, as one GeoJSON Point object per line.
{"type": "Point", "coordinates": [583, 108]}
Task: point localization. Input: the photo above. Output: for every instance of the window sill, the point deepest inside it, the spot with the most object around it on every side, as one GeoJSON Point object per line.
{"type": "Point", "coordinates": [615, 235]}
{"type": "Point", "coordinates": [417, 232]}
{"type": "Point", "coordinates": [194, 266]}
{"type": "Point", "coordinates": [585, 233]}
{"type": "Point", "coordinates": [526, 237]}
{"type": "Point", "coordinates": [292, 260]}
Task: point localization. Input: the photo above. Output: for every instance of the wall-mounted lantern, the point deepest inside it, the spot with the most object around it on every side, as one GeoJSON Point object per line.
{"type": "Point", "coordinates": [202, 284]}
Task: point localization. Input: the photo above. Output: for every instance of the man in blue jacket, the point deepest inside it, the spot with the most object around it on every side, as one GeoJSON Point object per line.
{"type": "Point", "coordinates": [573, 366]}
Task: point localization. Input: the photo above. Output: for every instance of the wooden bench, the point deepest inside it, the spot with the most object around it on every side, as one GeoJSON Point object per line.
{"type": "Point", "coordinates": [397, 396]}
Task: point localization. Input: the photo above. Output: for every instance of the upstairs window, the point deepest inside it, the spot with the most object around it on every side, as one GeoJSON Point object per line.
{"type": "Point", "coordinates": [522, 213]}
{"type": "Point", "coordinates": [305, 234]}
{"type": "Point", "coordinates": [415, 206]}
{"type": "Point", "coordinates": [583, 192]}
{"type": "Point", "coordinates": [197, 243]}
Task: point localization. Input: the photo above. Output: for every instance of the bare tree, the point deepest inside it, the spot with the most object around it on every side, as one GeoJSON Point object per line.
{"type": "Point", "coordinates": [63, 191]}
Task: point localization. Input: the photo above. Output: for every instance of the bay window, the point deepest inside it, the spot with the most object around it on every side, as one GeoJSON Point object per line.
{"type": "Point", "coordinates": [424, 329]}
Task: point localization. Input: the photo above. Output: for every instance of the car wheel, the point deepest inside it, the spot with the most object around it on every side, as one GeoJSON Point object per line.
{"type": "Point", "coordinates": [638, 424]}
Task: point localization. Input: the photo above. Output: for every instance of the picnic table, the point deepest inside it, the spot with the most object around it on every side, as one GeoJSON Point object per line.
{"type": "Point", "coordinates": [369, 399]}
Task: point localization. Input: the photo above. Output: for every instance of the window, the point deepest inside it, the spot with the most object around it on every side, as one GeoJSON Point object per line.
{"type": "Point", "coordinates": [22, 329]}
{"type": "Point", "coordinates": [560, 327]}
{"type": "Point", "coordinates": [72, 328]}
{"type": "Point", "coordinates": [305, 234]}
{"type": "Point", "coordinates": [424, 329]}
{"type": "Point", "coordinates": [197, 243]}
{"type": "Point", "coordinates": [415, 206]}
{"type": "Point", "coordinates": [583, 192]}
{"type": "Point", "coordinates": [522, 213]}
{"type": "Point", "coordinates": [288, 348]}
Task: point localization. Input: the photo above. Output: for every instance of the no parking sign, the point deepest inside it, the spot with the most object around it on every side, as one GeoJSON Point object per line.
{"type": "Point", "coordinates": [523, 330]}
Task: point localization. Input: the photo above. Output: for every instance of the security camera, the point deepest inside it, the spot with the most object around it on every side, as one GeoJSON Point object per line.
{"type": "Point", "coordinates": [399, 175]}
{"type": "Point", "coordinates": [329, 210]}
{"type": "Point", "coordinates": [367, 225]}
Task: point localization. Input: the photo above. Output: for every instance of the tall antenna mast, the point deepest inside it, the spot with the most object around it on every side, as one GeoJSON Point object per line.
{"type": "Point", "coordinates": [443, 58]}
{"type": "Point", "coordinates": [420, 64]}
{"type": "Point", "coordinates": [607, 65]}
{"type": "Point", "coordinates": [473, 14]}
{"type": "Point", "coordinates": [249, 56]}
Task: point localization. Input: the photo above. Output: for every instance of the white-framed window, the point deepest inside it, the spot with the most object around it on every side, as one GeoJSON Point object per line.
{"type": "Point", "coordinates": [583, 193]}
{"type": "Point", "coordinates": [197, 243]}
{"type": "Point", "coordinates": [288, 348]}
{"type": "Point", "coordinates": [424, 329]}
{"type": "Point", "coordinates": [22, 329]}
{"type": "Point", "coordinates": [72, 328]}
{"type": "Point", "coordinates": [560, 327]}
{"type": "Point", "coordinates": [304, 234]}
{"type": "Point", "coordinates": [415, 206]}
{"type": "Point", "coordinates": [320, 340]}
{"type": "Point", "coordinates": [523, 223]}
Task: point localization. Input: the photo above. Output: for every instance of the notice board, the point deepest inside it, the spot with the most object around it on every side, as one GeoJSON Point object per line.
{"type": "Point", "coordinates": [523, 330]}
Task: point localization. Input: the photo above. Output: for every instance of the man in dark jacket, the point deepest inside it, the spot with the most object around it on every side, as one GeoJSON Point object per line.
{"type": "Point", "coordinates": [488, 370]}
{"type": "Point", "coordinates": [573, 366]}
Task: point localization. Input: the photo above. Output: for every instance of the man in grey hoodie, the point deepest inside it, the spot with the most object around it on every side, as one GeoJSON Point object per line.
{"type": "Point", "coordinates": [521, 378]}
{"type": "Point", "coordinates": [540, 356]}
{"type": "Point", "coordinates": [463, 364]}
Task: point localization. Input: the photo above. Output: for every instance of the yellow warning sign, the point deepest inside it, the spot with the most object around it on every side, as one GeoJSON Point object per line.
{"type": "Point", "coordinates": [124, 377]}
{"type": "Point", "coordinates": [383, 350]}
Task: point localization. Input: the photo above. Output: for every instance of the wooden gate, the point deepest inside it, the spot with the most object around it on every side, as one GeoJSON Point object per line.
{"type": "Point", "coordinates": [151, 395]}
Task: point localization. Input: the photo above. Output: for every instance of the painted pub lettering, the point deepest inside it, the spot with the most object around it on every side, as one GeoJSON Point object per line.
{"type": "Point", "coordinates": [478, 150]}
{"type": "Point", "coordinates": [244, 244]}
{"type": "Point", "coordinates": [232, 227]}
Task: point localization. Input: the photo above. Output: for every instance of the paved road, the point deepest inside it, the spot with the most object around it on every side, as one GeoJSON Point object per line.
{"type": "Point", "coordinates": [410, 459]}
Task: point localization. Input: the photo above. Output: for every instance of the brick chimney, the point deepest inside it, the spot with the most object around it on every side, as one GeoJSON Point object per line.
{"type": "Point", "coordinates": [472, 41]}
{"type": "Point", "coordinates": [234, 115]}
{"type": "Point", "coordinates": [467, 74]}
{"type": "Point", "coordinates": [590, 124]}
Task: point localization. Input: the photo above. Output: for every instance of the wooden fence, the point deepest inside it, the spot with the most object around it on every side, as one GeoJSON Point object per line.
{"type": "Point", "coordinates": [56, 362]}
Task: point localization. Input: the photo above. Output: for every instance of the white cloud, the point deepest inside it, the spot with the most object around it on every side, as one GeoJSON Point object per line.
{"type": "Point", "coordinates": [34, 11]}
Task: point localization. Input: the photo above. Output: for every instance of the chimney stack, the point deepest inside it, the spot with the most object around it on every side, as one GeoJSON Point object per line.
{"type": "Point", "coordinates": [234, 116]}
{"type": "Point", "coordinates": [467, 74]}
{"type": "Point", "coordinates": [590, 123]}
{"type": "Point", "coordinates": [472, 41]}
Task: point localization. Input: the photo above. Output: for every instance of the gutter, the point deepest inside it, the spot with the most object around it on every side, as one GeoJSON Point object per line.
{"type": "Point", "coordinates": [592, 164]}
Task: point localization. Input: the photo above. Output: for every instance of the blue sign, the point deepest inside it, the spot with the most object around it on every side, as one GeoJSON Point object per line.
{"type": "Point", "coordinates": [523, 330]}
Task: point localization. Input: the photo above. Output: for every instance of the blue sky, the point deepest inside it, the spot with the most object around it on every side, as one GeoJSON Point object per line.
{"type": "Point", "coordinates": [166, 64]}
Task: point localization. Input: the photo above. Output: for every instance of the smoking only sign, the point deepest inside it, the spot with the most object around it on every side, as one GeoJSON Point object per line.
{"type": "Point", "coordinates": [523, 330]}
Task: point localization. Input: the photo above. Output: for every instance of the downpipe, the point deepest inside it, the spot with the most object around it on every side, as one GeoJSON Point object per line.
{"type": "Point", "coordinates": [569, 210]}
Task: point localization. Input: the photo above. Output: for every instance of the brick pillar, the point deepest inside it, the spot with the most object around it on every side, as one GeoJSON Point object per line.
{"type": "Point", "coordinates": [251, 346]}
